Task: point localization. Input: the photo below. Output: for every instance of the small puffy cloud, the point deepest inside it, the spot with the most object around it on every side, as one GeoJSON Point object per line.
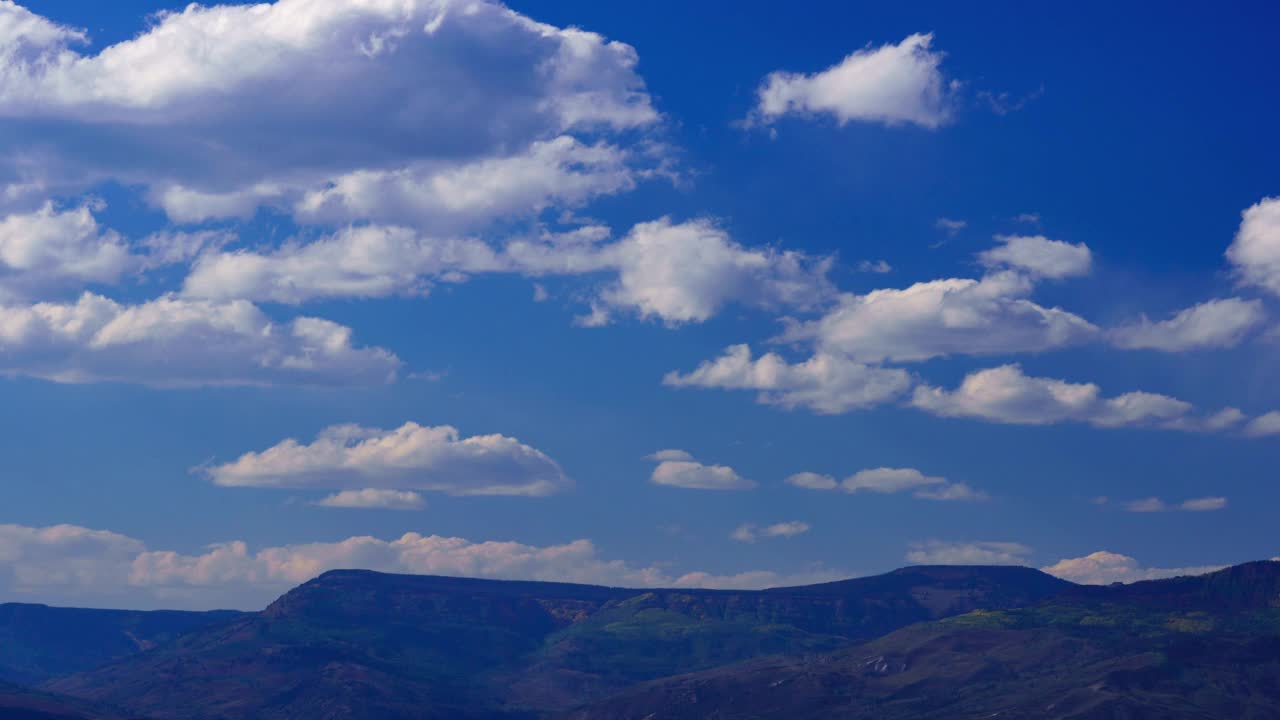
{"type": "Point", "coordinates": [172, 341]}
{"type": "Point", "coordinates": [887, 481]}
{"type": "Point", "coordinates": [813, 481]}
{"type": "Point", "coordinates": [827, 384]}
{"type": "Point", "coordinates": [950, 491]}
{"type": "Point", "coordinates": [1039, 256]}
{"type": "Point", "coordinates": [677, 468]}
{"type": "Point", "coordinates": [1204, 504]}
{"type": "Point", "coordinates": [1104, 568]}
{"type": "Point", "coordinates": [950, 226]}
{"type": "Point", "coordinates": [937, 552]}
{"type": "Point", "coordinates": [355, 262]}
{"type": "Point", "coordinates": [1213, 324]}
{"type": "Point", "coordinates": [375, 498]}
{"type": "Point", "coordinates": [940, 318]}
{"type": "Point", "coordinates": [1223, 419]}
{"type": "Point", "coordinates": [1255, 252]}
{"type": "Point", "coordinates": [410, 457]}
{"type": "Point", "coordinates": [685, 272]}
{"type": "Point", "coordinates": [1155, 504]}
{"type": "Point", "coordinates": [879, 267]}
{"type": "Point", "coordinates": [750, 533]}
{"type": "Point", "coordinates": [891, 84]}
{"type": "Point", "coordinates": [893, 480]}
{"type": "Point", "coordinates": [72, 565]}
{"type": "Point", "coordinates": [1266, 424]}
{"type": "Point", "coordinates": [346, 107]}
{"type": "Point", "coordinates": [50, 248]}
{"type": "Point", "coordinates": [1006, 395]}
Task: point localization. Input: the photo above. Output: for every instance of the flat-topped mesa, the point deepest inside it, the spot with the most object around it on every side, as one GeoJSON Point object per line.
{"type": "Point", "coordinates": [1011, 578]}
{"type": "Point", "coordinates": [355, 637]}
{"type": "Point", "coordinates": [372, 597]}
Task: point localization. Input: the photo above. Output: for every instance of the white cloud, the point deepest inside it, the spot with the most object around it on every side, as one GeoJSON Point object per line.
{"type": "Point", "coordinates": [813, 481]}
{"type": "Point", "coordinates": [563, 172]}
{"type": "Point", "coordinates": [1152, 504]}
{"type": "Point", "coordinates": [1223, 419]}
{"type": "Point", "coordinates": [53, 250]}
{"type": "Point", "coordinates": [365, 261]}
{"type": "Point", "coordinates": [1213, 324]}
{"type": "Point", "coordinates": [826, 384]}
{"type": "Point", "coordinates": [260, 102]}
{"type": "Point", "coordinates": [675, 272]}
{"type": "Point", "coordinates": [1103, 568]}
{"type": "Point", "coordinates": [936, 552]}
{"type": "Point", "coordinates": [664, 455]}
{"type": "Point", "coordinates": [887, 481]}
{"type": "Point", "coordinates": [72, 565]}
{"type": "Point", "coordinates": [179, 248]}
{"type": "Point", "coordinates": [677, 468]}
{"type": "Point", "coordinates": [892, 84]}
{"type": "Point", "coordinates": [950, 491]}
{"type": "Point", "coordinates": [1039, 256]}
{"type": "Point", "coordinates": [62, 560]}
{"type": "Point", "coordinates": [410, 457]}
{"type": "Point", "coordinates": [950, 226]}
{"type": "Point", "coordinates": [943, 317]}
{"type": "Point", "coordinates": [1266, 424]}
{"type": "Point", "coordinates": [1255, 252]}
{"type": "Point", "coordinates": [1204, 504]}
{"type": "Point", "coordinates": [879, 267]}
{"type": "Point", "coordinates": [375, 498]}
{"type": "Point", "coordinates": [1004, 394]}
{"type": "Point", "coordinates": [750, 533]}
{"type": "Point", "coordinates": [172, 341]}
{"type": "Point", "coordinates": [685, 272]}
{"type": "Point", "coordinates": [437, 196]}
{"type": "Point", "coordinates": [1155, 504]}
{"type": "Point", "coordinates": [50, 248]}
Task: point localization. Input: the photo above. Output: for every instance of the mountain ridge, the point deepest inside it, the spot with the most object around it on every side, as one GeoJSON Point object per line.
{"type": "Point", "coordinates": [911, 643]}
{"type": "Point", "coordinates": [38, 642]}
{"type": "Point", "coordinates": [349, 640]}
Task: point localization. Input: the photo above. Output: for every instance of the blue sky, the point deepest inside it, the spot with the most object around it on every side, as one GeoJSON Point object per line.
{"type": "Point", "coordinates": [576, 290]}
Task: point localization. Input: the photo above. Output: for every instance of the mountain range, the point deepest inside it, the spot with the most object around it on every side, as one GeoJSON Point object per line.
{"type": "Point", "coordinates": [921, 642]}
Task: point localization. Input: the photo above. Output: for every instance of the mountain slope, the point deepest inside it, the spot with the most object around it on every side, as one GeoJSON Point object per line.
{"type": "Point", "coordinates": [355, 644]}
{"type": "Point", "coordinates": [18, 703]}
{"type": "Point", "coordinates": [1181, 649]}
{"type": "Point", "coordinates": [38, 642]}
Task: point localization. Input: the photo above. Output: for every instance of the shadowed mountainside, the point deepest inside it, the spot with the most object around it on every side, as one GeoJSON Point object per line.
{"type": "Point", "coordinates": [38, 642]}
{"type": "Point", "coordinates": [1182, 649]}
{"type": "Point", "coordinates": [358, 644]}
{"type": "Point", "coordinates": [17, 703]}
